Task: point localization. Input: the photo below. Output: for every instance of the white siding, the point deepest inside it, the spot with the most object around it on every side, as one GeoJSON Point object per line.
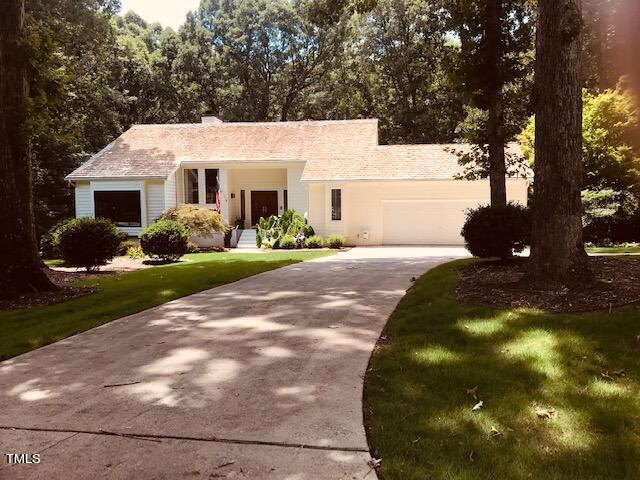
{"type": "Point", "coordinates": [297, 192]}
{"type": "Point", "coordinates": [84, 200]}
{"type": "Point", "coordinates": [170, 192]}
{"type": "Point", "coordinates": [155, 200]}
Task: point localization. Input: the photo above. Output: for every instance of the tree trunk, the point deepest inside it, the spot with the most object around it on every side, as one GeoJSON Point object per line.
{"type": "Point", "coordinates": [557, 251]}
{"type": "Point", "coordinates": [20, 270]}
{"type": "Point", "coordinates": [495, 133]}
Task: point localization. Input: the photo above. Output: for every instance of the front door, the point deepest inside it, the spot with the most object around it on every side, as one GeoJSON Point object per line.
{"type": "Point", "coordinates": [263, 204]}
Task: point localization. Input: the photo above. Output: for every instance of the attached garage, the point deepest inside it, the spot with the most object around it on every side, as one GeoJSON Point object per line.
{"type": "Point", "coordinates": [419, 222]}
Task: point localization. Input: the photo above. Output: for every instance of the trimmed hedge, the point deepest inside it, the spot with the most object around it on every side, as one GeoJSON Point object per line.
{"type": "Point", "coordinates": [336, 241]}
{"type": "Point", "coordinates": [288, 242]}
{"type": "Point", "coordinates": [165, 239]}
{"type": "Point", "coordinates": [88, 242]}
{"type": "Point", "coordinates": [315, 241]}
{"type": "Point", "coordinates": [497, 231]}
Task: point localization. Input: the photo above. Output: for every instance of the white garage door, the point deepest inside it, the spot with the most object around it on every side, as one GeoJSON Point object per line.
{"type": "Point", "coordinates": [424, 222]}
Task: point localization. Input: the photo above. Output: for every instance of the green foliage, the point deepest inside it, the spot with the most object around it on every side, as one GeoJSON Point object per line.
{"type": "Point", "coordinates": [125, 245]}
{"type": "Point", "coordinates": [497, 231]}
{"type": "Point", "coordinates": [288, 242]}
{"type": "Point", "coordinates": [192, 247]}
{"type": "Point", "coordinates": [315, 241]}
{"type": "Point", "coordinates": [88, 242]}
{"type": "Point", "coordinates": [271, 230]}
{"type": "Point", "coordinates": [610, 160]}
{"type": "Point", "coordinates": [199, 221]}
{"type": "Point", "coordinates": [611, 195]}
{"type": "Point", "coordinates": [165, 239]}
{"type": "Point", "coordinates": [477, 80]}
{"type": "Point", "coordinates": [135, 252]}
{"type": "Point", "coordinates": [50, 241]}
{"type": "Point", "coordinates": [336, 241]}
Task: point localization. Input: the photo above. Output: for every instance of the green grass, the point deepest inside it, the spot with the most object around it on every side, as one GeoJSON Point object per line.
{"type": "Point", "coordinates": [53, 263]}
{"type": "Point", "coordinates": [121, 295]}
{"type": "Point", "coordinates": [420, 419]}
{"type": "Point", "coordinates": [617, 249]}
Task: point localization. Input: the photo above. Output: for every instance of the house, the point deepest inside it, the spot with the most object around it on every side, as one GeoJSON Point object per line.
{"type": "Point", "coordinates": [334, 172]}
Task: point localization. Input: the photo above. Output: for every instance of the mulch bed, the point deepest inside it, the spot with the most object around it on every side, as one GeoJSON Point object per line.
{"type": "Point", "coordinates": [499, 284]}
{"type": "Point", "coordinates": [66, 291]}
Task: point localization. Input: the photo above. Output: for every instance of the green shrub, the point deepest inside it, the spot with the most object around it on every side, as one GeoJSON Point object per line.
{"type": "Point", "coordinates": [49, 247]}
{"type": "Point", "coordinates": [336, 241]}
{"type": "Point", "coordinates": [50, 241]}
{"type": "Point", "coordinates": [125, 246]}
{"type": "Point", "coordinates": [165, 239]}
{"type": "Point", "coordinates": [135, 252]}
{"type": "Point", "coordinates": [88, 242]}
{"type": "Point", "coordinates": [497, 231]}
{"type": "Point", "coordinates": [272, 229]}
{"type": "Point", "coordinates": [192, 247]}
{"type": "Point", "coordinates": [314, 241]}
{"type": "Point", "coordinates": [199, 221]}
{"type": "Point", "coordinates": [288, 242]}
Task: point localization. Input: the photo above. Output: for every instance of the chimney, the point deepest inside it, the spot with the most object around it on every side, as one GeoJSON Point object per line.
{"type": "Point", "coordinates": [210, 119]}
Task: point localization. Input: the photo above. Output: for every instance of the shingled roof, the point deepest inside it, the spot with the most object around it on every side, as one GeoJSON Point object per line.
{"type": "Point", "coordinates": [340, 150]}
{"type": "Point", "coordinates": [157, 150]}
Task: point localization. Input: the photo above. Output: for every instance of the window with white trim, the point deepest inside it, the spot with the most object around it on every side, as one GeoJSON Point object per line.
{"type": "Point", "coordinates": [336, 204]}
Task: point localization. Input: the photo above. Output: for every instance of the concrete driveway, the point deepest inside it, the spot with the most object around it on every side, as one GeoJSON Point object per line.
{"type": "Point", "coordinates": [258, 379]}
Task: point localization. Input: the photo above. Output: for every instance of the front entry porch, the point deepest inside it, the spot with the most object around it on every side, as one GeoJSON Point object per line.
{"type": "Point", "coordinates": [246, 191]}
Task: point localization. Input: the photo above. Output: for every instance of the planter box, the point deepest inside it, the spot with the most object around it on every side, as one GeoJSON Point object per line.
{"type": "Point", "coordinates": [211, 241]}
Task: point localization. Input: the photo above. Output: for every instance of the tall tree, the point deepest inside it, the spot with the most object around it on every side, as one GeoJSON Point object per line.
{"type": "Point", "coordinates": [557, 249]}
{"type": "Point", "coordinates": [19, 262]}
{"type": "Point", "coordinates": [492, 69]}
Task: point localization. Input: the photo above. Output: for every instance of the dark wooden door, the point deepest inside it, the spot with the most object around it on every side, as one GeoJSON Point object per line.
{"type": "Point", "coordinates": [263, 204]}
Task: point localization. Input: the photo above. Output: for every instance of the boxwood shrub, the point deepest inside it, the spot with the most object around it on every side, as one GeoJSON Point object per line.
{"type": "Point", "coordinates": [497, 231]}
{"type": "Point", "coordinates": [336, 241]}
{"type": "Point", "coordinates": [315, 241]}
{"type": "Point", "coordinates": [165, 240]}
{"type": "Point", "coordinates": [288, 242]}
{"type": "Point", "coordinates": [88, 242]}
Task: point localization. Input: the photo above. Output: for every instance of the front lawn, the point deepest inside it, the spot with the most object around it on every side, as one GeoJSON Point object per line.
{"type": "Point", "coordinates": [561, 392]}
{"type": "Point", "coordinates": [127, 293]}
{"type": "Point", "coordinates": [615, 250]}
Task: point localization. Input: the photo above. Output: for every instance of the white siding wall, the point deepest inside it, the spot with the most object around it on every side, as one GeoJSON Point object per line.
{"type": "Point", "coordinates": [297, 192]}
{"type": "Point", "coordinates": [155, 200]}
{"type": "Point", "coordinates": [170, 191]}
{"type": "Point", "coordinates": [84, 200]}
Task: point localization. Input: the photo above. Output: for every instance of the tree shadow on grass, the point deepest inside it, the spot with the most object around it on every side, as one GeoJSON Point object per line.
{"type": "Point", "coordinates": [579, 370]}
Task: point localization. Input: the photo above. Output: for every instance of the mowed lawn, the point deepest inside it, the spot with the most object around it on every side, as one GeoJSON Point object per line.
{"type": "Point", "coordinates": [127, 293]}
{"type": "Point", "coordinates": [561, 393]}
{"type": "Point", "coordinates": [617, 250]}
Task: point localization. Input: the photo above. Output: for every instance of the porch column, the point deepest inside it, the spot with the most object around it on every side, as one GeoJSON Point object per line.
{"type": "Point", "coordinates": [225, 198]}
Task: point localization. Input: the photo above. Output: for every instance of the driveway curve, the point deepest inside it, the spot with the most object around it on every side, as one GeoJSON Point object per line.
{"type": "Point", "coordinates": [258, 379]}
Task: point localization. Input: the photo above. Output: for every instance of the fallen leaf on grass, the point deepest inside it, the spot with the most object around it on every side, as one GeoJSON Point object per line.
{"type": "Point", "coordinates": [545, 412]}
{"type": "Point", "coordinates": [606, 376]}
{"type": "Point", "coordinates": [472, 455]}
{"type": "Point", "coordinates": [494, 432]}
{"type": "Point", "coordinates": [473, 393]}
